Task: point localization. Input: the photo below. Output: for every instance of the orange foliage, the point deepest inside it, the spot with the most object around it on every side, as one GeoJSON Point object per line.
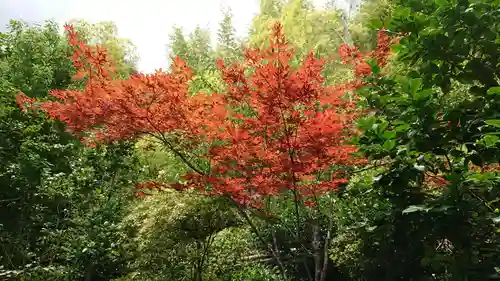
{"type": "Point", "coordinates": [352, 55]}
{"type": "Point", "coordinates": [293, 129]}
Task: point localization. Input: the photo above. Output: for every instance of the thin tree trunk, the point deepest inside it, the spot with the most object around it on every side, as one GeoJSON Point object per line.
{"type": "Point", "coordinates": [90, 272]}
{"type": "Point", "coordinates": [347, 34]}
{"type": "Point", "coordinates": [316, 245]}
{"type": "Point", "coordinates": [327, 242]}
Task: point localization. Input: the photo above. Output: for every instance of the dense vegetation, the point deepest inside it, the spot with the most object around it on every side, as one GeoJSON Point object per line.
{"type": "Point", "coordinates": [319, 147]}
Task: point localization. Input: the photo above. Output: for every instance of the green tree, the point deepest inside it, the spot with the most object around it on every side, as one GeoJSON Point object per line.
{"type": "Point", "coordinates": [178, 45]}
{"type": "Point", "coordinates": [307, 28]}
{"type": "Point", "coordinates": [34, 59]}
{"type": "Point", "coordinates": [363, 25]}
{"type": "Point", "coordinates": [51, 207]}
{"type": "Point", "coordinates": [227, 44]}
{"type": "Point", "coordinates": [121, 50]}
{"type": "Point", "coordinates": [199, 55]}
{"type": "Point", "coordinates": [441, 158]}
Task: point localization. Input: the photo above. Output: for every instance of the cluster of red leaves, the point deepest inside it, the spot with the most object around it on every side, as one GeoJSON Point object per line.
{"type": "Point", "coordinates": [108, 109]}
{"type": "Point", "coordinates": [435, 182]}
{"type": "Point", "coordinates": [22, 100]}
{"type": "Point", "coordinates": [92, 62]}
{"type": "Point", "coordinates": [294, 130]}
{"type": "Point", "coordinates": [149, 185]}
{"type": "Point", "coordinates": [486, 168]}
{"type": "Point", "coordinates": [352, 55]}
{"type": "Point", "coordinates": [274, 130]}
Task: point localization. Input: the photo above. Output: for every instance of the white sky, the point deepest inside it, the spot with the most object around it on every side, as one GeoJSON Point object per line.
{"type": "Point", "coordinates": [146, 22]}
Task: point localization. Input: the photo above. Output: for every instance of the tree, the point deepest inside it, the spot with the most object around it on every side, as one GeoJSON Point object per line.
{"type": "Point", "coordinates": [257, 142]}
{"type": "Point", "coordinates": [178, 46]}
{"type": "Point", "coordinates": [307, 28]}
{"type": "Point", "coordinates": [196, 50]}
{"type": "Point", "coordinates": [198, 54]}
{"type": "Point", "coordinates": [439, 158]}
{"type": "Point", "coordinates": [362, 26]}
{"type": "Point", "coordinates": [227, 45]}
{"type": "Point", "coordinates": [33, 59]}
{"type": "Point", "coordinates": [121, 50]}
{"type": "Point", "coordinates": [303, 89]}
{"type": "Point", "coordinates": [271, 8]}
{"type": "Point", "coordinates": [54, 194]}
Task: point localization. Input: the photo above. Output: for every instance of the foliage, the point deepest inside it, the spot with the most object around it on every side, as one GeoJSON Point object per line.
{"type": "Point", "coordinates": [29, 144]}
{"type": "Point", "coordinates": [248, 150]}
{"type": "Point", "coordinates": [227, 43]}
{"type": "Point", "coordinates": [440, 176]}
{"type": "Point", "coordinates": [307, 29]}
{"type": "Point", "coordinates": [194, 237]}
{"type": "Point", "coordinates": [199, 56]}
{"type": "Point", "coordinates": [276, 118]}
{"type": "Point", "coordinates": [255, 141]}
{"type": "Point", "coordinates": [367, 21]}
{"type": "Point", "coordinates": [55, 221]}
{"type": "Point", "coordinates": [122, 51]}
{"type": "Point", "coordinates": [82, 239]}
{"type": "Point", "coordinates": [34, 59]}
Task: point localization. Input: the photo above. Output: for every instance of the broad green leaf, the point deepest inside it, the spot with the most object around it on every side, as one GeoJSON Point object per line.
{"type": "Point", "coordinates": [493, 122]}
{"type": "Point", "coordinates": [493, 91]}
{"type": "Point", "coordinates": [389, 144]}
{"type": "Point", "coordinates": [374, 66]}
{"type": "Point", "coordinates": [415, 85]}
{"type": "Point", "coordinates": [376, 23]}
{"type": "Point", "coordinates": [402, 128]}
{"type": "Point", "coordinates": [389, 134]}
{"type": "Point", "coordinates": [490, 140]}
{"type": "Point", "coordinates": [440, 2]}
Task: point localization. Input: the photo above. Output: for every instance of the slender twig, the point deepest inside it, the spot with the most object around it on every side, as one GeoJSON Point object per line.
{"type": "Point", "coordinates": [10, 199]}
{"type": "Point", "coordinates": [482, 200]}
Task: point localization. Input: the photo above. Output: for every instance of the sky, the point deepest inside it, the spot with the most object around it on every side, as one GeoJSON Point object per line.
{"type": "Point", "coordinates": [146, 22]}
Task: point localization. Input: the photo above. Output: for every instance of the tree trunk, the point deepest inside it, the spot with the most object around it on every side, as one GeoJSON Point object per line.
{"type": "Point", "coordinates": [316, 245]}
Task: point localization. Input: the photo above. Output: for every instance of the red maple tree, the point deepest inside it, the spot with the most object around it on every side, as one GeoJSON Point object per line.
{"type": "Point", "coordinates": [282, 128]}
{"type": "Point", "coordinates": [275, 129]}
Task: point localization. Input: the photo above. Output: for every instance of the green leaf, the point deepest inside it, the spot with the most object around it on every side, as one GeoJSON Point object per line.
{"type": "Point", "coordinates": [493, 122]}
{"type": "Point", "coordinates": [490, 140]}
{"type": "Point", "coordinates": [404, 13]}
{"type": "Point", "coordinates": [374, 66]}
{"type": "Point", "coordinates": [376, 23]}
{"type": "Point", "coordinates": [389, 144]}
{"type": "Point", "coordinates": [416, 208]}
{"type": "Point", "coordinates": [402, 128]}
{"type": "Point", "coordinates": [415, 85]}
{"type": "Point", "coordinates": [419, 95]}
{"type": "Point", "coordinates": [396, 48]}
{"type": "Point", "coordinates": [389, 135]}
{"type": "Point", "coordinates": [440, 2]}
{"type": "Point", "coordinates": [493, 91]}
{"type": "Point", "coordinates": [496, 220]}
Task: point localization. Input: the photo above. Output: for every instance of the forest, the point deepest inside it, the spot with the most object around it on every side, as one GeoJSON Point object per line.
{"type": "Point", "coordinates": [322, 145]}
